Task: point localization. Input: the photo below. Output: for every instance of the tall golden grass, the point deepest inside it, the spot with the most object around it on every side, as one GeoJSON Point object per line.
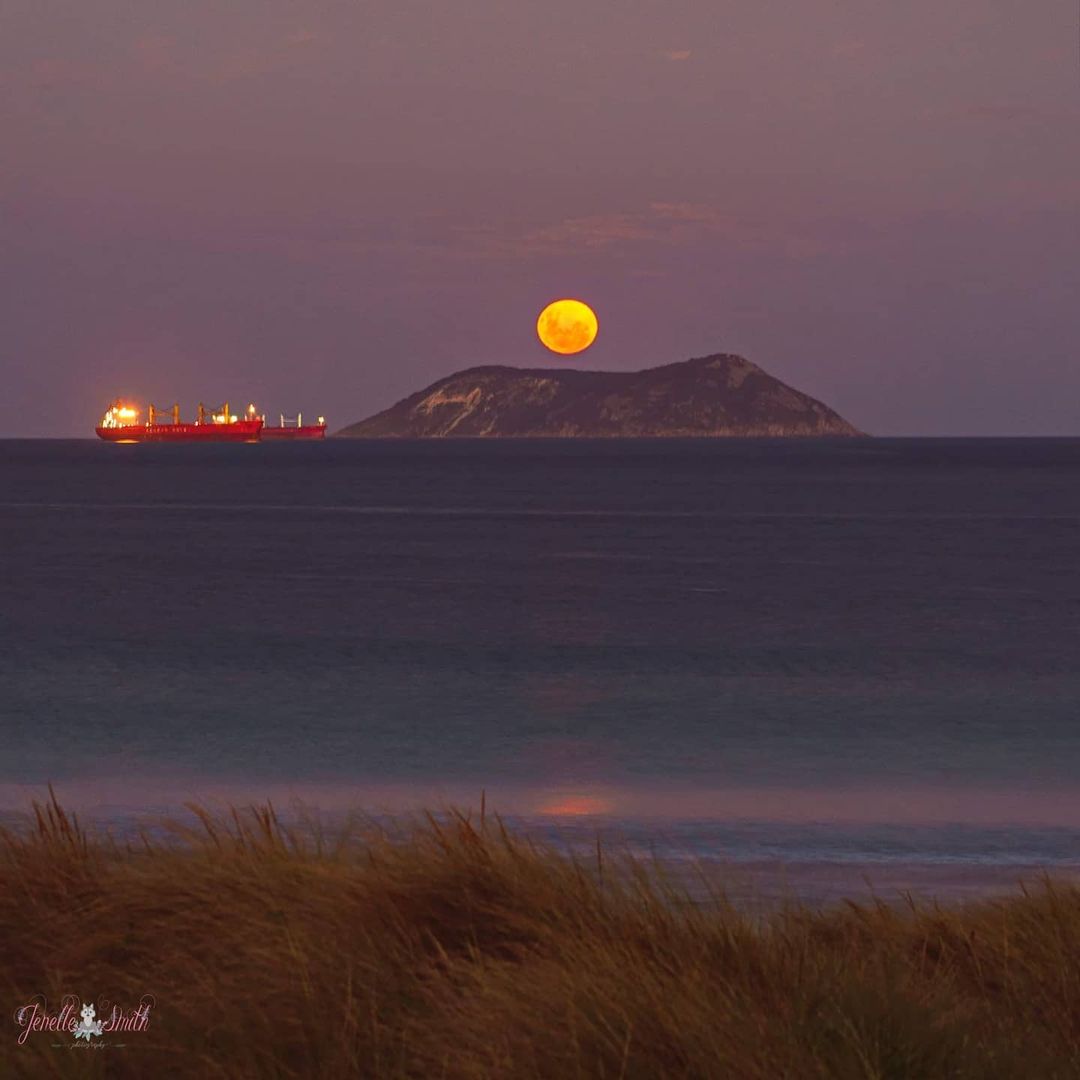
{"type": "Point", "coordinates": [456, 949]}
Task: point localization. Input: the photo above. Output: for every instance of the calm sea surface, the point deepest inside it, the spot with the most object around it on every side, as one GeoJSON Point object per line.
{"type": "Point", "coordinates": [856, 652]}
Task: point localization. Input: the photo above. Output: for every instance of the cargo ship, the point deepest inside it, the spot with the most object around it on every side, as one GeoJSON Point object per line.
{"type": "Point", "coordinates": [293, 427]}
{"type": "Point", "coordinates": [121, 424]}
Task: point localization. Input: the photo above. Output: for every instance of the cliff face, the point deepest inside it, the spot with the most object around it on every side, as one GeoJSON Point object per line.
{"type": "Point", "coordinates": [712, 395]}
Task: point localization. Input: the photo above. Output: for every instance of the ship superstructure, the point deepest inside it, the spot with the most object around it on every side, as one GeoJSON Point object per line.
{"type": "Point", "coordinates": [121, 424]}
{"type": "Point", "coordinates": [293, 427]}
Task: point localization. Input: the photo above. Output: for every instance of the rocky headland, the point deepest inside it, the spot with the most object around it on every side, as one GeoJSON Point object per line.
{"type": "Point", "coordinates": [718, 395]}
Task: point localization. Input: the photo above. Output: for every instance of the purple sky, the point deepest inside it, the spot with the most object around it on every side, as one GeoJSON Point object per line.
{"type": "Point", "coordinates": [327, 204]}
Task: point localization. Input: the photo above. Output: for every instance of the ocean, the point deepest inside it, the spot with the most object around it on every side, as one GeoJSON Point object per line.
{"type": "Point", "coordinates": [827, 661]}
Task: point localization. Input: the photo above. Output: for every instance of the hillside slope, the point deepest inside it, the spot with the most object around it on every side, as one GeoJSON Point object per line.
{"type": "Point", "coordinates": [712, 396]}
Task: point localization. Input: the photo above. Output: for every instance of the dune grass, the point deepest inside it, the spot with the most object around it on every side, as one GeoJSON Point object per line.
{"type": "Point", "coordinates": [455, 949]}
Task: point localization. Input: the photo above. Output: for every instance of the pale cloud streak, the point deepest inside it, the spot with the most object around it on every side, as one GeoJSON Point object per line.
{"type": "Point", "coordinates": [849, 47]}
{"type": "Point", "coordinates": [161, 55]}
{"type": "Point", "coordinates": [275, 56]}
{"type": "Point", "coordinates": [658, 225]}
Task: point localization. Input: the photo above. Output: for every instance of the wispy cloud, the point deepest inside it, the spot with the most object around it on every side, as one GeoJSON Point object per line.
{"type": "Point", "coordinates": [590, 233]}
{"type": "Point", "coordinates": [994, 112]}
{"type": "Point", "coordinates": [38, 92]}
{"type": "Point", "coordinates": [158, 54]}
{"type": "Point", "coordinates": [262, 59]}
{"type": "Point", "coordinates": [1006, 112]}
{"type": "Point", "coordinates": [660, 224]}
{"type": "Point", "coordinates": [677, 55]}
{"type": "Point", "coordinates": [849, 47]}
{"type": "Point", "coordinates": [155, 53]}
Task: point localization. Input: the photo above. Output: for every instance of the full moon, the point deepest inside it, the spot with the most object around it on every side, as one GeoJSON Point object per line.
{"type": "Point", "coordinates": [567, 326]}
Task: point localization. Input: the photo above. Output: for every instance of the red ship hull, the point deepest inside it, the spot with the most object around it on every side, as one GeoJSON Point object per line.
{"type": "Point", "coordinates": [308, 431]}
{"type": "Point", "coordinates": [241, 431]}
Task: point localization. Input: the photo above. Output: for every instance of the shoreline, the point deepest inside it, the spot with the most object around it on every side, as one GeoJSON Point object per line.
{"type": "Point", "coordinates": [758, 864]}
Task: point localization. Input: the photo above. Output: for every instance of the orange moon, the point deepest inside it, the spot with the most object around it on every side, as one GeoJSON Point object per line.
{"type": "Point", "coordinates": [567, 326]}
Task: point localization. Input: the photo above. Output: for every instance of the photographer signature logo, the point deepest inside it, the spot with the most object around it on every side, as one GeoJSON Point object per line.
{"type": "Point", "coordinates": [81, 1019]}
{"type": "Point", "coordinates": [88, 1026]}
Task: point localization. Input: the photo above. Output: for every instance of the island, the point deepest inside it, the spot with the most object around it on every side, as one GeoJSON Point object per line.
{"type": "Point", "coordinates": [718, 395]}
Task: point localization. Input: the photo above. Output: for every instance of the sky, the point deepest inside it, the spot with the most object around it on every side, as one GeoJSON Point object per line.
{"type": "Point", "coordinates": [328, 204]}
